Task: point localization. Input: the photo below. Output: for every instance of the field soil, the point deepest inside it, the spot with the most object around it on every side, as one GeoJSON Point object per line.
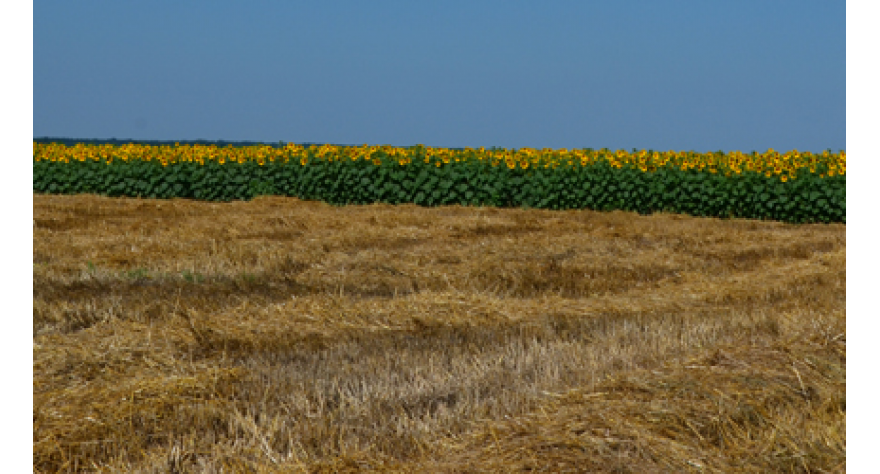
{"type": "Point", "coordinates": [281, 335]}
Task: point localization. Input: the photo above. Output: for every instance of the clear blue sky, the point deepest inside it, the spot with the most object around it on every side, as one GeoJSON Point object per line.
{"type": "Point", "coordinates": [682, 75]}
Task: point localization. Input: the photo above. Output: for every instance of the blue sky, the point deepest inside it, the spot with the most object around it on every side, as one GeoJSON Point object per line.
{"type": "Point", "coordinates": [681, 75]}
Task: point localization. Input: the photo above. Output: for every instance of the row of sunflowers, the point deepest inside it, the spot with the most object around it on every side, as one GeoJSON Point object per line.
{"type": "Point", "coordinates": [784, 166]}
{"type": "Point", "coordinates": [792, 186]}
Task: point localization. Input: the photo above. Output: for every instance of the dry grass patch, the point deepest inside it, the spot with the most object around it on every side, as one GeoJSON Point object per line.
{"type": "Point", "coordinates": [280, 335]}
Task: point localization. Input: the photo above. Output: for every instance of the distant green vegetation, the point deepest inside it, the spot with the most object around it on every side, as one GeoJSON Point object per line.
{"type": "Point", "coordinates": [791, 187]}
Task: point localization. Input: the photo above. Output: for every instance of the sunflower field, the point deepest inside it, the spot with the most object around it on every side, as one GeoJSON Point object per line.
{"type": "Point", "coordinates": [796, 187]}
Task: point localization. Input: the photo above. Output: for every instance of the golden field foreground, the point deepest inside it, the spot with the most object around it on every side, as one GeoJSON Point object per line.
{"type": "Point", "coordinates": [280, 335]}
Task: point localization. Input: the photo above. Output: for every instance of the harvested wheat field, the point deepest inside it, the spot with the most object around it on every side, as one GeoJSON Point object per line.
{"type": "Point", "coordinates": [280, 335]}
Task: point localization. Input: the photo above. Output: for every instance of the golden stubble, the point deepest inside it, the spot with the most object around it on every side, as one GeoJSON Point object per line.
{"type": "Point", "coordinates": [282, 335]}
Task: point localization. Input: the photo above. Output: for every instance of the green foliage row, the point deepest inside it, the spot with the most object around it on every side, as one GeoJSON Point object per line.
{"type": "Point", "coordinates": [808, 198]}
